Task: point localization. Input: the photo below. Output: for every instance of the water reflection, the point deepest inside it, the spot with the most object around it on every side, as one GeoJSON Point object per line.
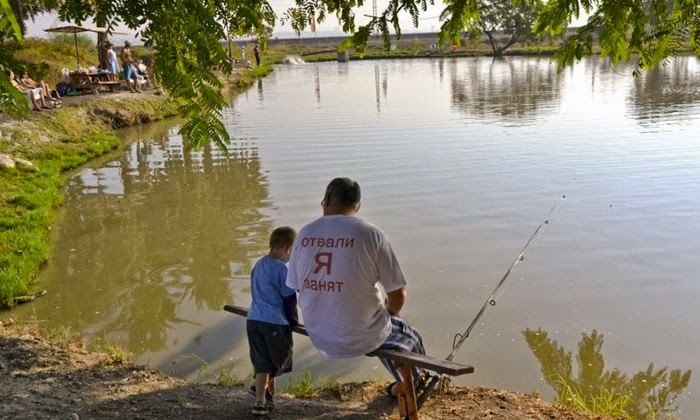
{"type": "Point", "coordinates": [648, 394]}
{"type": "Point", "coordinates": [666, 92]}
{"type": "Point", "coordinates": [376, 89]}
{"type": "Point", "coordinates": [409, 157]}
{"type": "Point", "coordinates": [317, 84]}
{"type": "Point", "coordinates": [381, 85]}
{"type": "Point", "coordinates": [510, 90]}
{"type": "Point", "coordinates": [153, 238]}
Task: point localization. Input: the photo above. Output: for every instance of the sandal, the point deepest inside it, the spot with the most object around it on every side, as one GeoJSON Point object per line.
{"type": "Point", "coordinates": [427, 386]}
{"type": "Point", "coordinates": [422, 381]}
{"type": "Point", "coordinates": [389, 389]}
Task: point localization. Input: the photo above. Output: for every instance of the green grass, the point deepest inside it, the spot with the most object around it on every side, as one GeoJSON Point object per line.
{"type": "Point", "coordinates": [57, 141]}
{"type": "Point", "coordinates": [226, 379]}
{"type": "Point", "coordinates": [304, 385]}
{"type": "Point", "coordinates": [27, 201]}
{"type": "Point", "coordinates": [55, 54]}
{"type": "Point", "coordinates": [54, 142]}
{"type": "Point", "coordinates": [602, 402]}
{"type": "Point", "coordinates": [407, 47]}
{"type": "Point", "coordinates": [242, 80]}
{"type": "Point", "coordinates": [114, 352]}
{"type": "Point", "coordinates": [62, 336]}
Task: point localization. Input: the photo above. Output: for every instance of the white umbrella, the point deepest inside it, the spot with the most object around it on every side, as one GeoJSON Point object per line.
{"type": "Point", "coordinates": [75, 29]}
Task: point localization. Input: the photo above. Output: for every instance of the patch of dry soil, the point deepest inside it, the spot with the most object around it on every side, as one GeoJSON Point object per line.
{"type": "Point", "coordinates": [41, 379]}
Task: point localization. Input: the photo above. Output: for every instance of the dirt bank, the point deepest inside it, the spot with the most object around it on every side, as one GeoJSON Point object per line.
{"type": "Point", "coordinates": [41, 378]}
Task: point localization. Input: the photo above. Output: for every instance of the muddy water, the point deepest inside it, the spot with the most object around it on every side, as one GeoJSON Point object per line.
{"type": "Point", "coordinates": [459, 161]}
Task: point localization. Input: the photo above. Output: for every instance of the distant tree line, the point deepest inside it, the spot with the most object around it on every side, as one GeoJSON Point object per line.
{"type": "Point", "coordinates": [187, 35]}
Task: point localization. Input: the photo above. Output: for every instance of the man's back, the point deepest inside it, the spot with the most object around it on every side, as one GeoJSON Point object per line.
{"type": "Point", "coordinates": [337, 262]}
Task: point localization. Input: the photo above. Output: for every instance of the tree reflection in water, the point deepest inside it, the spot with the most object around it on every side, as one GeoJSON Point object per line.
{"type": "Point", "coordinates": [664, 93]}
{"type": "Point", "coordinates": [648, 394]}
{"type": "Point", "coordinates": [510, 89]}
{"type": "Point", "coordinates": [155, 237]}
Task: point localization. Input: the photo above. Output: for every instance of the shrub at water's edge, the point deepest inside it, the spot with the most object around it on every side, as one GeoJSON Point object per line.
{"type": "Point", "coordinates": [649, 394]}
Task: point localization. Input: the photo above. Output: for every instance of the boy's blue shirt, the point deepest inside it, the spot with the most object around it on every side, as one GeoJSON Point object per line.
{"type": "Point", "coordinates": [267, 284]}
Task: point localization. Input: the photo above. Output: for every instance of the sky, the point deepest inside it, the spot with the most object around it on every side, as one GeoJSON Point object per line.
{"type": "Point", "coordinates": [429, 21]}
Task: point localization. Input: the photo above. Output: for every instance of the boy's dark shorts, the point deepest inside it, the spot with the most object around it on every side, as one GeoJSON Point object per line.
{"type": "Point", "coordinates": [270, 347]}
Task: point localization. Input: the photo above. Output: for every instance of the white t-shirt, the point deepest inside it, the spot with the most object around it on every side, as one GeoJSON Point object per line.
{"type": "Point", "coordinates": [337, 265]}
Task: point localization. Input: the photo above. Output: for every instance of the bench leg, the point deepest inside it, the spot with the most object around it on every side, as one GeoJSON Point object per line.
{"type": "Point", "coordinates": [406, 393]}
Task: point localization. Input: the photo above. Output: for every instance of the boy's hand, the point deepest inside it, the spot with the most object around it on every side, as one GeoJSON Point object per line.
{"type": "Point", "coordinates": [290, 309]}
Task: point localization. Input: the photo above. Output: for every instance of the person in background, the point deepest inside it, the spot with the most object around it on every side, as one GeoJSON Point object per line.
{"type": "Point", "coordinates": [28, 83]}
{"type": "Point", "coordinates": [256, 52]}
{"type": "Point", "coordinates": [270, 319]}
{"type": "Point", "coordinates": [112, 63]}
{"type": "Point", "coordinates": [141, 68]}
{"type": "Point", "coordinates": [35, 95]}
{"type": "Point", "coordinates": [129, 70]}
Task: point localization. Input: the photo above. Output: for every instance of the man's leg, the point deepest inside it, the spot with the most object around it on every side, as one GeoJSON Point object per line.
{"type": "Point", "coordinates": [127, 76]}
{"type": "Point", "coordinates": [403, 337]}
{"type": "Point", "coordinates": [33, 102]}
{"type": "Point", "coordinates": [38, 95]}
{"type": "Point", "coordinates": [134, 73]}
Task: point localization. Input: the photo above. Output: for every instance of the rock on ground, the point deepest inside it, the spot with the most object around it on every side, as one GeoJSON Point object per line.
{"type": "Point", "coordinates": [23, 162]}
{"type": "Point", "coordinates": [6, 161]}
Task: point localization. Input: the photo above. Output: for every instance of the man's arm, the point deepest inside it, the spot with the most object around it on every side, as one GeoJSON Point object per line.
{"type": "Point", "coordinates": [395, 301]}
{"type": "Point", "coordinates": [290, 309]}
{"type": "Point", "coordinates": [390, 275]}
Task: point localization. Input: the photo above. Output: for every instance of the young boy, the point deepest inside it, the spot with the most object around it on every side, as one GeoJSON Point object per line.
{"type": "Point", "coordinates": [271, 317]}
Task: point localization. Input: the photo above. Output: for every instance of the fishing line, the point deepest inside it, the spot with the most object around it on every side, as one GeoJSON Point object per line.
{"type": "Point", "coordinates": [460, 338]}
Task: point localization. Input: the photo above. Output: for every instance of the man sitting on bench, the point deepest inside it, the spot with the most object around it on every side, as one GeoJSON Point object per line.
{"type": "Point", "coordinates": [337, 265]}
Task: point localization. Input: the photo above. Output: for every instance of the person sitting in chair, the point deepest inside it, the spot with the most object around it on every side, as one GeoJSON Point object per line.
{"type": "Point", "coordinates": [28, 83]}
{"type": "Point", "coordinates": [34, 95]}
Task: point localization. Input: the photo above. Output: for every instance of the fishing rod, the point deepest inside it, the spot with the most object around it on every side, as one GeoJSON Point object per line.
{"type": "Point", "coordinates": [460, 338]}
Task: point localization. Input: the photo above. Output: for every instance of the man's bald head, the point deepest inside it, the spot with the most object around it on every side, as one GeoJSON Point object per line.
{"type": "Point", "coordinates": [342, 195]}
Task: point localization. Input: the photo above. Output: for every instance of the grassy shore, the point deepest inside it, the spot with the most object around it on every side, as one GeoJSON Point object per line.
{"type": "Point", "coordinates": [407, 47]}
{"type": "Point", "coordinates": [53, 142]}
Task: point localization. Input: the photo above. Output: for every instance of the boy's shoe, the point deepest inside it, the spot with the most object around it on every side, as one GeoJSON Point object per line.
{"type": "Point", "coordinates": [269, 396]}
{"type": "Point", "coordinates": [259, 410]}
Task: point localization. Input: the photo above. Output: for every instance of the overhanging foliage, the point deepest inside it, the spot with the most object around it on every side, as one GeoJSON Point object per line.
{"type": "Point", "coordinates": [187, 35]}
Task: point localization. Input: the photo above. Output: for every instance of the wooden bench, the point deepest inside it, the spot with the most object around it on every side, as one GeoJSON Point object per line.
{"type": "Point", "coordinates": [406, 392]}
{"type": "Point", "coordinates": [109, 84]}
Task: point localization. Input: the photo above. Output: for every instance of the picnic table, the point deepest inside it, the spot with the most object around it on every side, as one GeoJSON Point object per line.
{"type": "Point", "coordinates": [92, 82]}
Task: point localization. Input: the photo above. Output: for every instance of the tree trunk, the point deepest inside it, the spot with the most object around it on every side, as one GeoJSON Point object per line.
{"type": "Point", "coordinates": [496, 50]}
{"type": "Point", "coordinates": [18, 10]}
{"type": "Point", "coordinates": [101, 22]}
{"type": "Point", "coordinates": [513, 40]}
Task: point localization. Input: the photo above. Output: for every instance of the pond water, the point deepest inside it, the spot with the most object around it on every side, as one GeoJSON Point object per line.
{"type": "Point", "coordinates": [459, 160]}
